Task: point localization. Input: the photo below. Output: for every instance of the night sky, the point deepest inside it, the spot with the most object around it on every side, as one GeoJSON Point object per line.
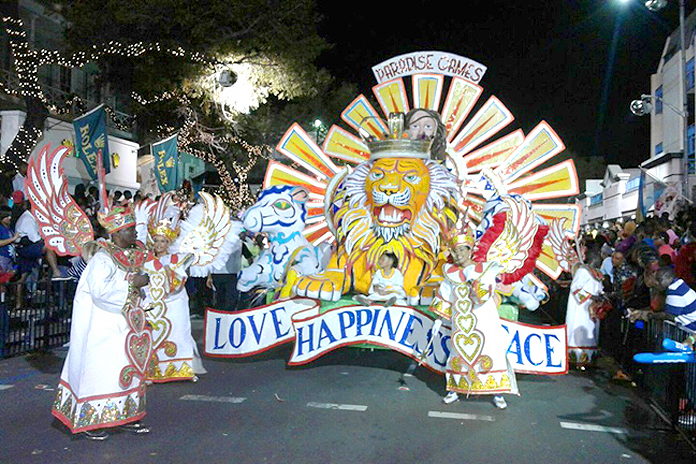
{"type": "Point", "coordinates": [546, 59]}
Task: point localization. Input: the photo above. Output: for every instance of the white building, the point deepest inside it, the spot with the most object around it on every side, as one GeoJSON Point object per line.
{"type": "Point", "coordinates": [618, 197]}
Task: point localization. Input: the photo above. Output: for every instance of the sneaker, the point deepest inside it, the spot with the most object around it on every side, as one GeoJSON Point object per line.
{"type": "Point", "coordinates": [136, 427]}
{"type": "Point", "coordinates": [390, 301]}
{"type": "Point", "coordinates": [96, 435]}
{"type": "Point", "coordinates": [499, 402]}
{"type": "Point", "coordinates": [195, 379]}
{"type": "Point", "coordinates": [363, 300]}
{"type": "Point", "coordinates": [451, 398]}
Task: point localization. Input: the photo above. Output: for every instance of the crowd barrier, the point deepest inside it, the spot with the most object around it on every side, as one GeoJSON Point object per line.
{"type": "Point", "coordinates": [40, 321]}
{"type": "Point", "coordinates": [671, 388]}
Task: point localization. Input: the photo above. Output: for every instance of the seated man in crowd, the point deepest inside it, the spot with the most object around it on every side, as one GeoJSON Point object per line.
{"type": "Point", "coordinates": [387, 284]}
{"type": "Point", "coordinates": [31, 246]}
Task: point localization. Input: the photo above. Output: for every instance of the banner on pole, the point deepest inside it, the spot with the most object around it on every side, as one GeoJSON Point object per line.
{"type": "Point", "coordinates": [166, 156]}
{"type": "Point", "coordinates": [90, 137]}
{"type": "Point", "coordinates": [531, 349]}
{"type": "Point", "coordinates": [649, 191]}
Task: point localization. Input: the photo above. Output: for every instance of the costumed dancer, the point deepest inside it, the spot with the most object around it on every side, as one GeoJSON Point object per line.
{"type": "Point", "coordinates": [478, 362]}
{"type": "Point", "coordinates": [207, 236]}
{"type": "Point", "coordinates": [102, 381]}
{"type": "Point", "coordinates": [581, 323]}
{"type": "Point", "coordinates": [387, 284]}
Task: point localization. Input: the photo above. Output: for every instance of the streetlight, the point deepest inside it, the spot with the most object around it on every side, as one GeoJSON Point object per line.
{"type": "Point", "coordinates": [656, 5]}
{"type": "Point", "coordinates": [644, 106]}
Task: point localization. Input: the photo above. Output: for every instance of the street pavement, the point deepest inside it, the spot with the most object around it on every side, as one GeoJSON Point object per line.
{"type": "Point", "coordinates": [347, 407]}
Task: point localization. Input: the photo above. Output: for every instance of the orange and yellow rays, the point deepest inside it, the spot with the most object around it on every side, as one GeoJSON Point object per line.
{"type": "Point", "coordinates": [540, 145]}
{"type": "Point", "coordinates": [487, 121]}
{"type": "Point", "coordinates": [427, 90]}
{"type": "Point", "coordinates": [560, 180]}
{"type": "Point", "coordinates": [493, 154]}
{"type": "Point", "coordinates": [391, 96]}
{"type": "Point", "coordinates": [473, 204]}
{"type": "Point", "coordinates": [298, 146]}
{"type": "Point", "coordinates": [280, 174]}
{"type": "Point", "coordinates": [317, 233]}
{"type": "Point", "coordinates": [460, 100]}
{"type": "Point", "coordinates": [549, 212]}
{"type": "Point", "coordinates": [341, 144]}
{"type": "Point", "coordinates": [362, 116]}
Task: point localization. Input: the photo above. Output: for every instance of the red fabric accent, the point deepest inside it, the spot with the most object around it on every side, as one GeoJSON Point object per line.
{"type": "Point", "coordinates": [157, 264]}
{"type": "Point", "coordinates": [174, 259]}
{"type": "Point", "coordinates": [489, 237]}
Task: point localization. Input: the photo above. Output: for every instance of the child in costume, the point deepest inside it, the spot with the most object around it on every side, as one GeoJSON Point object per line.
{"type": "Point", "coordinates": [387, 283]}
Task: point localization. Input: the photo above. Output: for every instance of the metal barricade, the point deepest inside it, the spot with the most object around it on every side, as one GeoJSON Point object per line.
{"type": "Point", "coordinates": [35, 316]}
{"type": "Point", "coordinates": [671, 388]}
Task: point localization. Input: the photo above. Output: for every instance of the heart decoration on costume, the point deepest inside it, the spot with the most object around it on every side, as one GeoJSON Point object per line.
{"type": "Point", "coordinates": [139, 350]}
{"type": "Point", "coordinates": [468, 346]}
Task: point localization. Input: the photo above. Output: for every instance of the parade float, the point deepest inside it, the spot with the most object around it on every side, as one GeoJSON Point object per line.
{"type": "Point", "coordinates": [399, 182]}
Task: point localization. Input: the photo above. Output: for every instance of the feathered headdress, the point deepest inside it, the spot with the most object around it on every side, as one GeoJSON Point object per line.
{"type": "Point", "coordinates": [164, 219]}
{"type": "Point", "coordinates": [111, 218]}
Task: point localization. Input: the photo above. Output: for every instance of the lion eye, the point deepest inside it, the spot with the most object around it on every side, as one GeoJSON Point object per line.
{"type": "Point", "coordinates": [281, 204]}
{"type": "Point", "coordinates": [411, 178]}
{"type": "Point", "coordinates": [376, 175]}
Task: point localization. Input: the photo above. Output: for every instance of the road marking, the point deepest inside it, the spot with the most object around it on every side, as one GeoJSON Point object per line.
{"type": "Point", "coordinates": [459, 415]}
{"type": "Point", "coordinates": [213, 399]}
{"type": "Point", "coordinates": [342, 407]}
{"type": "Point", "coordinates": [5, 387]}
{"type": "Point", "coordinates": [592, 427]}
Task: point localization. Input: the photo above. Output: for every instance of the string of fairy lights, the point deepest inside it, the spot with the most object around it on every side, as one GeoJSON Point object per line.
{"type": "Point", "coordinates": [27, 63]}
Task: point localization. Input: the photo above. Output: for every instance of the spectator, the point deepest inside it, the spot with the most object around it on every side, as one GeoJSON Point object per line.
{"type": "Point", "coordinates": [680, 302]}
{"type": "Point", "coordinates": [7, 239]}
{"type": "Point", "coordinates": [19, 178]}
{"type": "Point", "coordinates": [684, 261]}
{"type": "Point", "coordinates": [662, 244]}
{"type": "Point", "coordinates": [31, 246]}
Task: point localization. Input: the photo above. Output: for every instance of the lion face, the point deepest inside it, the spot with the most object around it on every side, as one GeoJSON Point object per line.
{"type": "Point", "coordinates": [397, 189]}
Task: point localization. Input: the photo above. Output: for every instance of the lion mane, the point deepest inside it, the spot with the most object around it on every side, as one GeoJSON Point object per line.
{"type": "Point", "coordinates": [421, 238]}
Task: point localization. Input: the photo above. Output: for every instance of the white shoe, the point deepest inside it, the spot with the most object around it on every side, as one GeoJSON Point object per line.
{"type": "Point", "coordinates": [390, 302]}
{"type": "Point", "coordinates": [451, 398]}
{"type": "Point", "coordinates": [499, 402]}
{"type": "Point", "coordinates": [362, 299]}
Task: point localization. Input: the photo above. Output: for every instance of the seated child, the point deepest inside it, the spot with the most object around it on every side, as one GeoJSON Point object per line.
{"type": "Point", "coordinates": [387, 284]}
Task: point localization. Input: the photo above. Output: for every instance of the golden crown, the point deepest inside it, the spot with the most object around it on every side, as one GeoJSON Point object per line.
{"type": "Point", "coordinates": [397, 144]}
{"type": "Point", "coordinates": [164, 228]}
{"type": "Point", "coordinates": [116, 218]}
{"type": "Point", "coordinates": [462, 234]}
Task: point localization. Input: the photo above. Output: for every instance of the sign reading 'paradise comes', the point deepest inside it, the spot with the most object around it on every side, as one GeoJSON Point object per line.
{"type": "Point", "coordinates": [429, 62]}
{"type": "Point", "coordinates": [531, 349]}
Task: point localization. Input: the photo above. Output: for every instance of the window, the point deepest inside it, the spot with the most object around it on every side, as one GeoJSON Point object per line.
{"type": "Point", "coordinates": [596, 199]}
{"type": "Point", "coordinates": [658, 100]}
{"type": "Point", "coordinates": [65, 79]}
{"type": "Point", "coordinates": [690, 74]}
{"type": "Point", "coordinates": [658, 149]}
{"type": "Point", "coordinates": [633, 184]}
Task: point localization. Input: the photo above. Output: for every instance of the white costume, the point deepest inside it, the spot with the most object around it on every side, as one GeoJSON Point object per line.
{"type": "Point", "coordinates": [101, 382]}
{"type": "Point", "coordinates": [174, 350]}
{"type": "Point", "coordinates": [392, 284]}
{"type": "Point", "coordinates": [478, 362]}
{"type": "Point", "coordinates": [582, 330]}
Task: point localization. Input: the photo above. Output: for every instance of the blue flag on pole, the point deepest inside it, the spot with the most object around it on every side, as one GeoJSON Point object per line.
{"type": "Point", "coordinates": [166, 156]}
{"type": "Point", "coordinates": [90, 137]}
{"type": "Point", "coordinates": [649, 191]}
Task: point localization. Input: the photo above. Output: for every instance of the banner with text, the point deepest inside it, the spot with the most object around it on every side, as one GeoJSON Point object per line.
{"type": "Point", "coordinates": [166, 153]}
{"type": "Point", "coordinates": [427, 62]}
{"type": "Point", "coordinates": [90, 137]}
{"type": "Point", "coordinates": [531, 349]}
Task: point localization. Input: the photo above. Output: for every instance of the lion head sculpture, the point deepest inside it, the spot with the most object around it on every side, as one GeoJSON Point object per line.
{"type": "Point", "coordinates": [403, 205]}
